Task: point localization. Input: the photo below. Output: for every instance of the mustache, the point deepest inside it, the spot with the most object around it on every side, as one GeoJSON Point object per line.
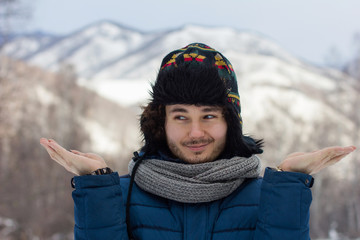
{"type": "Point", "coordinates": [200, 141]}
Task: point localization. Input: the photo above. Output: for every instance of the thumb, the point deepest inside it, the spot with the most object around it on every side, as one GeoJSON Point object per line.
{"type": "Point", "coordinates": [92, 156]}
{"type": "Point", "coordinates": [77, 152]}
{"type": "Point", "coordinates": [88, 155]}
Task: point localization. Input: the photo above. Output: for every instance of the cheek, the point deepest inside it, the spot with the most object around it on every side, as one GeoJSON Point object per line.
{"type": "Point", "coordinates": [173, 132]}
{"type": "Point", "coordinates": [219, 131]}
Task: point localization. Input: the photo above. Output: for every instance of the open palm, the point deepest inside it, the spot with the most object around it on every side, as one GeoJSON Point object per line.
{"type": "Point", "coordinates": [73, 161]}
{"type": "Point", "coordinates": [314, 162]}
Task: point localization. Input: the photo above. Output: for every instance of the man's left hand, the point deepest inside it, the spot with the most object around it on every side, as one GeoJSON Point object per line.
{"type": "Point", "coordinates": [314, 162]}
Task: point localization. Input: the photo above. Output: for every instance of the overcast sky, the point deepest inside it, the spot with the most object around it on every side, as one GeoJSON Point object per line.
{"type": "Point", "coordinates": [306, 28]}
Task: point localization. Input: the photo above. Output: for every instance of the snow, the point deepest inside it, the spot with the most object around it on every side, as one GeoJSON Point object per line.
{"type": "Point", "coordinates": [99, 49]}
{"type": "Point", "coordinates": [101, 140]}
{"type": "Point", "coordinates": [126, 92]}
{"type": "Point", "coordinates": [90, 48]}
{"type": "Point", "coordinates": [7, 226]}
{"type": "Point", "coordinates": [46, 96]}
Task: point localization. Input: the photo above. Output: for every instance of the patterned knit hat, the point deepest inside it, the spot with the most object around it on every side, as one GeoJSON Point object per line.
{"type": "Point", "coordinates": [203, 87]}
{"type": "Point", "coordinates": [196, 75]}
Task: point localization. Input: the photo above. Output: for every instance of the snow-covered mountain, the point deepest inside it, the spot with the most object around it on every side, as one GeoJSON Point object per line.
{"type": "Point", "coordinates": [224, 39]}
{"type": "Point", "coordinates": [109, 50]}
{"type": "Point", "coordinates": [89, 49]}
{"type": "Point", "coordinates": [279, 92]}
{"type": "Point", "coordinates": [23, 46]}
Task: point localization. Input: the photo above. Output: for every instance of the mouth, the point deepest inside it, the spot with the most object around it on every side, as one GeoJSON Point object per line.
{"type": "Point", "coordinates": [197, 147]}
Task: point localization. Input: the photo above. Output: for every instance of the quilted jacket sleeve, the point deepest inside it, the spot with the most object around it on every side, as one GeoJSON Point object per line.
{"type": "Point", "coordinates": [284, 206]}
{"type": "Point", "coordinates": [98, 208]}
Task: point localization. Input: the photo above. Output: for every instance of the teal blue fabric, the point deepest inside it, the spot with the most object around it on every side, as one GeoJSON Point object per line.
{"type": "Point", "coordinates": [275, 207]}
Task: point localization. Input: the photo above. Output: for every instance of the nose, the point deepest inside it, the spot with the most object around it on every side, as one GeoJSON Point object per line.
{"type": "Point", "coordinates": [196, 130]}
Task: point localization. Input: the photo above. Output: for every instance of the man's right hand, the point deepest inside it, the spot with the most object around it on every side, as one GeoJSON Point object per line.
{"type": "Point", "coordinates": [73, 161]}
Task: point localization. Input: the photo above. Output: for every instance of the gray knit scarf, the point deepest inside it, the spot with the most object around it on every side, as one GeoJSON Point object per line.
{"type": "Point", "coordinates": [195, 183]}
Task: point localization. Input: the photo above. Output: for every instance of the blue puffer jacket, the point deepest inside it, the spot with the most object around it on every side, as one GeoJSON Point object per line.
{"type": "Point", "coordinates": [275, 207]}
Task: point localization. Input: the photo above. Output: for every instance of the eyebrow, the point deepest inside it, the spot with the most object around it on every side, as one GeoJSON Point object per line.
{"type": "Point", "coordinates": [212, 109]}
{"type": "Point", "coordinates": [178, 109]}
{"type": "Point", "coordinates": [206, 109]}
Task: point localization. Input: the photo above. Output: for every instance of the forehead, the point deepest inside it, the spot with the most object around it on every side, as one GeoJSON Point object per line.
{"type": "Point", "coordinates": [191, 108]}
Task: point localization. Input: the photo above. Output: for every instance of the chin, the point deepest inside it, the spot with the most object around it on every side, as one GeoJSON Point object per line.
{"type": "Point", "coordinates": [185, 155]}
{"type": "Point", "coordinates": [198, 158]}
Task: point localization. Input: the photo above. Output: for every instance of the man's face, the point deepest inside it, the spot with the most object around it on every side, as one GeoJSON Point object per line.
{"type": "Point", "coordinates": [195, 134]}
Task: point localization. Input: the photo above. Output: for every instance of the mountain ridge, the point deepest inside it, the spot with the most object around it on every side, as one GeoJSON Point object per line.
{"type": "Point", "coordinates": [72, 44]}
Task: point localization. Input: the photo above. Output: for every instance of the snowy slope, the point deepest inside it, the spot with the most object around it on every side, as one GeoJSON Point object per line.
{"type": "Point", "coordinates": [25, 45]}
{"type": "Point", "coordinates": [109, 50]}
{"type": "Point", "coordinates": [223, 39]}
{"type": "Point", "coordinates": [290, 103]}
{"type": "Point", "coordinates": [88, 49]}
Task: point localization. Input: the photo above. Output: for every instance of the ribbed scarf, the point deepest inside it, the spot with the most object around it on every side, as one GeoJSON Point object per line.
{"type": "Point", "coordinates": [195, 183]}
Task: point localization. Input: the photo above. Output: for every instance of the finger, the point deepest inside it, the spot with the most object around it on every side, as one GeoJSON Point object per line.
{"type": "Point", "coordinates": [69, 159]}
{"type": "Point", "coordinates": [338, 149]}
{"type": "Point", "coordinates": [74, 158]}
{"type": "Point", "coordinates": [46, 145]}
{"type": "Point", "coordinates": [88, 155]}
{"type": "Point", "coordinates": [54, 155]}
{"type": "Point", "coordinates": [337, 158]}
{"type": "Point", "coordinates": [295, 154]}
{"type": "Point", "coordinates": [349, 149]}
{"type": "Point", "coordinates": [67, 164]}
{"type": "Point", "coordinates": [58, 148]}
{"type": "Point", "coordinates": [93, 156]}
{"type": "Point", "coordinates": [341, 153]}
{"type": "Point", "coordinates": [44, 141]}
{"type": "Point", "coordinates": [73, 161]}
{"type": "Point", "coordinates": [329, 162]}
{"type": "Point", "coordinates": [77, 152]}
{"type": "Point", "coordinates": [325, 154]}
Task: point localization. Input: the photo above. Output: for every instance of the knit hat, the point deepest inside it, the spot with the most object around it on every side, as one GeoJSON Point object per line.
{"type": "Point", "coordinates": [196, 75]}
{"type": "Point", "coordinates": [209, 66]}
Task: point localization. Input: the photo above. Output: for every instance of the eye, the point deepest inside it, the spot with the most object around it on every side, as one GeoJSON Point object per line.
{"type": "Point", "coordinates": [180, 118]}
{"type": "Point", "coordinates": [209, 116]}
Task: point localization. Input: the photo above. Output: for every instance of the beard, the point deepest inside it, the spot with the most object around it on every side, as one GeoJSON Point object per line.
{"type": "Point", "coordinates": [208, 155]}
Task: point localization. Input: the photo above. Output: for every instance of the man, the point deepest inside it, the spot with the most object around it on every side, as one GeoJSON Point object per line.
{"type": "Point", "coordinates": [197, 175]}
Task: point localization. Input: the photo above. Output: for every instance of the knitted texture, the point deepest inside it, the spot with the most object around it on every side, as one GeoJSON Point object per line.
{"type": "Point", "coordinates": [195, 183]}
